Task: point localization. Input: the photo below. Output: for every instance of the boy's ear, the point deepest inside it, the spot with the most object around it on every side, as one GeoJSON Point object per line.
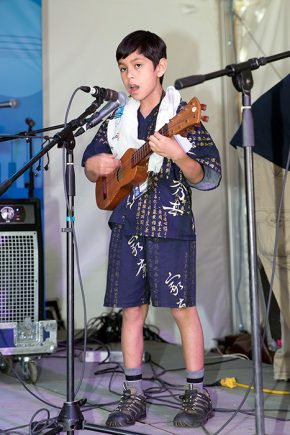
{"type": "Point", "coordinates": [161, 67]}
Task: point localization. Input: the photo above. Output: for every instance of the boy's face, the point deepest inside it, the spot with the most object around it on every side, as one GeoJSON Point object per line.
{"type": "Point", "coordinates": [139, 76]}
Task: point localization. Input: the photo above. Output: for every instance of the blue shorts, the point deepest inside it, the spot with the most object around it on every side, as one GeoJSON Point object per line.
{"type": "Point", "coordinates": [143, 269]}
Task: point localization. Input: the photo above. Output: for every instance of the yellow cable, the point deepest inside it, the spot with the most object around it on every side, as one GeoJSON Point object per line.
{"type": "Point", "coordinates": [232, 383]}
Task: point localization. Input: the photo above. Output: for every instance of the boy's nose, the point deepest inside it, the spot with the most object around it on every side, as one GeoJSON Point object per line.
{"type": "Point", "coordinates": [130, 73]}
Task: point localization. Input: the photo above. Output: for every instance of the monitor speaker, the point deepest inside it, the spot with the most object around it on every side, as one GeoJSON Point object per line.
{"type": "Point", "coordinates": [21, 261]}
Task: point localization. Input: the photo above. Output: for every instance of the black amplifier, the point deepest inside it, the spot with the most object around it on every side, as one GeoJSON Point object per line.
{"type": "Point", "coordinates": [21, 261]}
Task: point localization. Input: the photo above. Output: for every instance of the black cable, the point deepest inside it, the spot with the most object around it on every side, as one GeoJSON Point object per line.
{"type": "Point", "coordinates": [27, 389]}
{"type": "Point", "coordinates": [152, 393]}
{"type": "Point", "coordinates": [36, 427]}
{"type": "Point", "coordinates": [107, 329]}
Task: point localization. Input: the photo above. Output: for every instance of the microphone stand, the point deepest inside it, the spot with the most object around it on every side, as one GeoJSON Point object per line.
{"type": "Point", "coordinates": [243, 81]}
{"type": "Point", "coordinates": [70, 417]}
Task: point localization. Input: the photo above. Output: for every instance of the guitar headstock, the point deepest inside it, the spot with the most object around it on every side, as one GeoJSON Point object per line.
{"type": "Point", "coordinates": [187, 118]}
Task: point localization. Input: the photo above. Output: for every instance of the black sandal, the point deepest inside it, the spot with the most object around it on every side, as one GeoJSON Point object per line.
{"type": "Point", "coordinates": [130, 409]}
{"type": "Point", "coordinates": [197, 409]}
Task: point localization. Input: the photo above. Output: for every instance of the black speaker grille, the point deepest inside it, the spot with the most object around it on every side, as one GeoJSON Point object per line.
{"type": "Point", "coordinates": [18, 276]}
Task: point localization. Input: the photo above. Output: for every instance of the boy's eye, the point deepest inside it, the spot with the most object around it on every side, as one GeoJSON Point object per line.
{"type": "Point", "coordinates": [122, 69]}
{"type": "Point", "coordinates": [138, 65]}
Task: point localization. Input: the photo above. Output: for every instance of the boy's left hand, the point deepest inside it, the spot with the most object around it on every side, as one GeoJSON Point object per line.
{"type": "Point", "coordinates": [170, 148]}
{"type": "Point", "coordinates": [166, 146]}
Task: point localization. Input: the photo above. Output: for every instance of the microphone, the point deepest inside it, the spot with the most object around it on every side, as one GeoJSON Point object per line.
{"type": "Point", "coordinates": [9, 103]}
{"type": "Point", "coordinates": [99, 116]}
{"type": "Point", "coordinates": [30, 122]}
{"type": "Point", "coordinates": [186, 82]}
{"type": "Point", "coordinates": [105, 94]}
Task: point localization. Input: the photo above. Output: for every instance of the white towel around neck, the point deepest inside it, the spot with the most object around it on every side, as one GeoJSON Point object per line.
{"type": "Point", "coordinates": [122, 130]}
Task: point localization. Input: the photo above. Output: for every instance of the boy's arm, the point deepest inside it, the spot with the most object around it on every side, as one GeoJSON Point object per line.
{"type": "Point", "coordinates": [100, 165]}
{"type": "Point", "coordinates": [170, 148]}
{"type": "Point", "coordinates": [191, 169]}
{"type": "Point", "coordinates": [98, 160]}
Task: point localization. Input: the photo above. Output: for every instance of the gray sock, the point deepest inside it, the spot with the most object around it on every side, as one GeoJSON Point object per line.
{"type": "Point", "coordinates": [195, 379]}
{"type": "Point", "coordinates": [133, 380]}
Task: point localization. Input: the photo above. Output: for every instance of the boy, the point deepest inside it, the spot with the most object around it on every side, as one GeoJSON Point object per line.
{"type": "Point", "coordinates": [152, 247]}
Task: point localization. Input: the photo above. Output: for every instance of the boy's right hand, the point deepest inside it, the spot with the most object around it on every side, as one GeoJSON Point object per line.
{"type": "Point", "coordinates": [101, 165]}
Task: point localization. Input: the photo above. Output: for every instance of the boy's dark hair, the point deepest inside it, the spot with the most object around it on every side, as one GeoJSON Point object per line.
{"type": "Point", "coordinates": [147, 43]}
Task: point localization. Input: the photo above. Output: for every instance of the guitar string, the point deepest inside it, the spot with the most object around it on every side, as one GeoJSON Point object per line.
{"type": "Point", "coordinates": [131, 162]}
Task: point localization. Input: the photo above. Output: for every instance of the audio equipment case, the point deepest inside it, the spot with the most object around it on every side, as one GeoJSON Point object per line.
{"type": "Point", "coordinates": [23, 329]}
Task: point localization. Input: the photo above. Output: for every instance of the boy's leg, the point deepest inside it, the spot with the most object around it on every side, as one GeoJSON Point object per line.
{"type": "Point", "coordinates": [187, 320]}
{"type": "Point", "coordinates": [133, 346]}
{"type": "Point", "coordinates": [132, 335]}
{"type": "Point", "coordinates": [197, 407]}
{"type": "Point", "coordinates": [127, 284]}
{"type": "Point", "coordinates": [132, 406]}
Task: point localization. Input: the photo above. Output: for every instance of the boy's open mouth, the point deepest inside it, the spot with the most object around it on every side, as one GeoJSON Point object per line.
{"type": "Point", "coordinates": [133, 88]}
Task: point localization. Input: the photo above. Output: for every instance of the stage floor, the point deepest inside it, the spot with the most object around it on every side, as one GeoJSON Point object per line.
{"type": "Point", "coordinates": [164, 377]}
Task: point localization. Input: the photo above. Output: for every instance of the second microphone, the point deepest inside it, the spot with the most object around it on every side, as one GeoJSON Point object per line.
{"type": "Point", "coordinates": [97, 117]}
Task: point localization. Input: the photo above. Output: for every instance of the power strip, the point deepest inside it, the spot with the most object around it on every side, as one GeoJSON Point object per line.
{"type": "Point", "coordinates": [102, 355]}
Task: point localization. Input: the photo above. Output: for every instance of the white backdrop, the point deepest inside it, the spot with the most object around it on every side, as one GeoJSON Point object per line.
{"type": "Point", "coordinates": [263, 31]}
{"type": "Point", "coordinates": [80, 38]}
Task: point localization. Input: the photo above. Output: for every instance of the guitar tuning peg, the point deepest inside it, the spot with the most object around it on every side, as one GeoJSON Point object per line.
{"type": "Point", "coordinates": [205, 118]}
{"type": "Point", "coordinates": [203, 106]}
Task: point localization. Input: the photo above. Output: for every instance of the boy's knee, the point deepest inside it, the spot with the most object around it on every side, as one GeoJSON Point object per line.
{"type": "Point", "coordinates": [133, 314]}
{"type": "Point", "coordinates": [182, 313]}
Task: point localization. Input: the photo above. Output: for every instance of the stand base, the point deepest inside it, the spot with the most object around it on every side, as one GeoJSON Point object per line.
{"type": "Point", "coordinates": [70, 417]}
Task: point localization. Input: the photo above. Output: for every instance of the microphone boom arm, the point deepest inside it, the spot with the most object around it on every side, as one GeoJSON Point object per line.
{"type": "Point", "coordinates": [230, 70]}
{"type": "Point", "coordinates": [58, 139]}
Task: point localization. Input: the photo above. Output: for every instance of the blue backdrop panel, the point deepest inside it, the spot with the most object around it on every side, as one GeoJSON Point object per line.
{"type": "Point", "coordinates": [20, 80]}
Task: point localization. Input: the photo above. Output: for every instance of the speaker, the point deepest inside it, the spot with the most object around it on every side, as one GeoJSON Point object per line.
{"type": "Point", "coordinates": [21, 261]}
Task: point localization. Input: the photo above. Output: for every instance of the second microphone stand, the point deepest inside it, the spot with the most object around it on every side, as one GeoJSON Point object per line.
{"type": "Point", "coordinates": [242, 79]}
